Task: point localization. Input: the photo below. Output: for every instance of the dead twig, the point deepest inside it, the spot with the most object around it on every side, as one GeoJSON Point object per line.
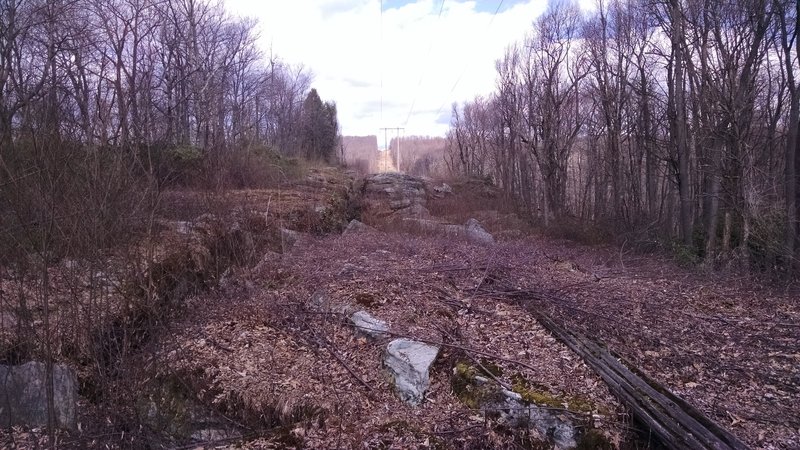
{"type": "Point", "coordinates": [324, 342]}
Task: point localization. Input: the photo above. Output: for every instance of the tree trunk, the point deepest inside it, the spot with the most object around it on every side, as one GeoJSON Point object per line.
{"type": "Point", "coordinates": [679, 127]}
{"type": "Point", "coordinates": [713, 193]}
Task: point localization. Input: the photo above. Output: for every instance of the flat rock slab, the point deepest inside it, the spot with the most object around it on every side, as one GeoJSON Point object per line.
{"type": "Point", "coordinates": [368, 324]}
{"type": "Point", "coordinates": [23, 398]}
{"type": "Point", "coordinates": [472, 231]}
{"type": "Point", "coordinates": [409, 362]}
{"type": "Point", "coordinates": [476, 233]}
{"type": "Point", "coordinates": [356, 227]}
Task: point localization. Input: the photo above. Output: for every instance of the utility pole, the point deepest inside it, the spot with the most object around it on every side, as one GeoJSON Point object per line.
{"type": "Point", "coordinates": [397, 129]}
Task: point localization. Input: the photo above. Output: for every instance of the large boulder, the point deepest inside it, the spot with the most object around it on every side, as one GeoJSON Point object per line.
{"type": "Point", "coordinates": [356, 227]}
{"type": "Point", "coordinates": [476, 233]}
{"type": "Point", "coordinates": [388, 193]}
{"type": "Point", "coordinates": [23, 395]}
{"type": "Point", "coordinates": [443, 189]}
{"type": "Point", "coordinates": [415, 210]}
{"type": "Point", "coordinates": [409, 361]}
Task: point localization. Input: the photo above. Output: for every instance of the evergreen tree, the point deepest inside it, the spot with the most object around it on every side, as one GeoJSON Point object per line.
{"type": "Point", "coordinates": [320, 128]}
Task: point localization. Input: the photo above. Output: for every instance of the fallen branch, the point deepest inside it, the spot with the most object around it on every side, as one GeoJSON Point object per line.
{"type": "Point", "coordinates": [323, 342]}
{"type": "Point", "coordinates": [333, 352]}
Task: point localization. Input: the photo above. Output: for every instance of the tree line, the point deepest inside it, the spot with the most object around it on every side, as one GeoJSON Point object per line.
{"type": "Point", "coordinates": [106, 103]}
{"type": "Point", "coordinates": [674, 118]}
{"type": "Point", "coordinates": [143, 75]}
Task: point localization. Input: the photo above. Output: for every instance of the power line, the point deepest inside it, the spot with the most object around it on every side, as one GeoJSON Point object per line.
{"type": "Point", "coordinates": [424, 68]}
{"type": "Point", "coordinates": [381, 52]}
{"type": "Point", "coordinates": [398, 130]}
{"type": "Point", "coordinates": [466, 66]}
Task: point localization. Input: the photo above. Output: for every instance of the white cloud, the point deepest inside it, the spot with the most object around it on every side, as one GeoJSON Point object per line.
{"type": "Point", "coordinates": [351, 50]}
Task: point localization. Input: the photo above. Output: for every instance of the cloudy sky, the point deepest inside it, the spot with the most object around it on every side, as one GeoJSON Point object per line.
{"type": "Point", "coordinates": [402, 67]}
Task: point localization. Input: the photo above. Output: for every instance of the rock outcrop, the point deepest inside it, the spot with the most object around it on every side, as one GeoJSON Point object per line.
{"type": "Point", "coordinates": [387, 194]}
{"type": "Point", "coordinates": [23, 395]}
{"type": "Point", "coordinates": [409, 361]}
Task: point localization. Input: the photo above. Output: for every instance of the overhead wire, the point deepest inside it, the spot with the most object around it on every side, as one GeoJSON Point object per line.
{"type": "Point", "coordinates": [466, 66]}
{"type": "Point", "coordinates": [424, 68]}
{"type": "Point", "coordinates": [381, 58]}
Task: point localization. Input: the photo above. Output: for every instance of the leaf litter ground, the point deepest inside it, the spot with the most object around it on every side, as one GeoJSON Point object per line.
{"type": "Point", "coordinates": [727, 346]}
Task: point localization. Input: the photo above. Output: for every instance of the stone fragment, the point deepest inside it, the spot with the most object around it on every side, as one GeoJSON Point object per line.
{"type": "Point", "coordinates": [476, 233]}
{"type": "Point", "coordinates": [409, 361]}
{"type": "Point", "coordinates": [23, 398]}
{"type": "Point", "coordinates": [443, 189]}
{"type": "Point", "coordinates": [368, 324]}
{"type": "Point", "coordinates": [289, 238]}
{"type": "Point", "coordinates": [356, 226]}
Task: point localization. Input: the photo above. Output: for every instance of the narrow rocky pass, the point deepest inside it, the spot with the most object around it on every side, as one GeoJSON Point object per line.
{"type": "Point", "coordinates": [415, 327]}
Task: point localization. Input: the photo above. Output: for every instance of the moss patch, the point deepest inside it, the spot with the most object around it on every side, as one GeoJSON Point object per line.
{"type": "Point", "coordinates": [468, 390]}
{"type": "Point", "coordinates": [541, 397]}
{"type": "Point", "coordinates": [462, 385]}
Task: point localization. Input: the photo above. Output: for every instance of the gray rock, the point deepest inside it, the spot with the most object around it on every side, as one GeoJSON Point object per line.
{"type": "Point", "coordinates": [400, 204]}
{"type": "Point", "coordinates": [289, 238]}
{"type": "Point", "coordinates": [454, 230]}
{"type": "Point", "coordinates": [472, 230]}
{"type": "Point", "coordinates": [562, 430]}
{"type": "Point", "coordinates": [443, 189]}
{"type": "Point", "coordinates": [348, 270]}
{"type": "Point", "coordinates": [480, 381]}
{"type": "Point", "coordinates": [426, 225]}
{"type": "Point", "coordinates": [319, 301]}
{"type": "Point", "coordinates": [369, 325]}
{"type": "Point", "coordinates": [409, 362]}
{"type": "Point", "coordinates": [558, 429]}
{"type": "Point", "coordinates": [356, 226]}
{"type": "Point", "coordinates": [386, 193]}
{"type": "Point", "coordinates": [415, 210]}
{"type": "Point", "coordinates": [214, 434]}
{"type": "Point", "coordinates": [23, 398]}
{"type": "Point", "coordinates": [183, 227]}
{"type": "Point", "coordinates": [476, 233]}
